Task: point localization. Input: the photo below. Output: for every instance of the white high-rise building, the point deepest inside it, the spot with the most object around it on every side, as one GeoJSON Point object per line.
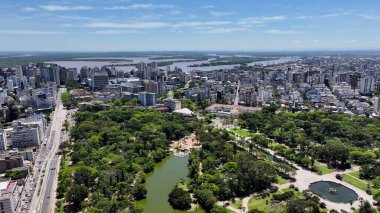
{"type": "Point", "coordinates": [367, 85]}
{"type": "Point", "coordinates": [3, 140]}
{"type": "Point", "coordinates": [19, 71]}
{"type": "Point", "coordinates": [10, 85]}
{"type": "Point", "coordinates": [376, 105]}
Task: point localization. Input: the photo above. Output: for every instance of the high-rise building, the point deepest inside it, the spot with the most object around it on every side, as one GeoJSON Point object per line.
{"type": "Point", "coordinates": [18, 71]}
{"type": "Point", "coordinates": [376, 105]}
{"type": "Point", "coordinates": [99, 80]}
{"type": "Point", "coordinates": [367, 85]}
{"type": "Point", "coordinates": [54, 74]}
{"type": "Point", "coordinates": [147, 98]}
{"type": "Point", "coordinates": [8, 161]}
{"type": "Point", "coordinates": [24, 137]}
{"type": "Point", "coordinates": [3, 140]}
{"type": "Point", "coordinates": [84, 74]}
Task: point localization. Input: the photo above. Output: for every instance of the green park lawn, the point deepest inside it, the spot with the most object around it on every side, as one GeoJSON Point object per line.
{"type": "Point", "coordinates": [260, 203]}
{"type": "Point", "coordinates": [363, 185]}
{"type": "Point", "coordinates": [323, 168]}
{"type": "Point", "coordinates": [359, 184]}
{"type": "Point", "coordinates": [237, 204]}
{"type": "Point", "coordinates": [241, 132]}
{"type": "Point", "coordinates": [280, 180]}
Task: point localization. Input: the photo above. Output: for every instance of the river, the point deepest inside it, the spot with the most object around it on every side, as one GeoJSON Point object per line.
{"type": "Point", "coordinates": [160, 182]}
{"type": "Point", "coordinates": [184, 65]}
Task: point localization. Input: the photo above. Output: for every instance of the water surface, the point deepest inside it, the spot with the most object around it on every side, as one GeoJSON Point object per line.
{"type": "Point", "coordinates": [343, 194]}
{"type": "Point", "coordinates": [159, 184]}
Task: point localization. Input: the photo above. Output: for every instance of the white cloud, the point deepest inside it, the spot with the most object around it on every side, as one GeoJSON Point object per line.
{"type": "Point", "coordinates": [304, 17]}
{"type": "Point", "coordinates": [226, 30]}
{"type": "Point", "coordinates": [260, 20]}
{"type": "Point", "coordinates": [220, 14]}
{"type": "Point", "coordinates": [200, 24]}
{"type": "Point", "coordinates": [206, 7]}
{"type": "Point", "coordinates": [336, 14]}
{"type": "Point", "coordinates": [65, 8]}
{"type": "Point", "coordinates": [68, 25]}
{"type": "Point", "coordinates": [80, 18]}
{"type": "Point", "coordinates": [350, 41]}
{"type": "Point", "coordinates": [116, 32]}
{"type": "Point", "coordinates": [29, 9]}
{"type": "Point", "coordinates": [282, 32]}
{"type": "Point", "coordinates": [31, 32]}
{"type": "Point", "coordinates": [175, 12]}
{"type": "Point", "coordinates": [132, 25]}
{"type": "Point", "coordinates": [370, 17]}
{"type": "Point", "coordinates": [142, 6]}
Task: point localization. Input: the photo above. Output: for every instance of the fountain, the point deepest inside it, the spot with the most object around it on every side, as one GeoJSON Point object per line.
{"type": "Point", "coordinates": [334, 192]}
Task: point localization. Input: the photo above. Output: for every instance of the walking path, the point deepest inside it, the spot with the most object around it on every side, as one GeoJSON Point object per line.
{"type": "Point", "coordinates": [305, 177]}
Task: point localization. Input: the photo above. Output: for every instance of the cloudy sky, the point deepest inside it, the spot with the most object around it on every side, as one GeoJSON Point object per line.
{"type": "Point", "coordinates": [241, 25]}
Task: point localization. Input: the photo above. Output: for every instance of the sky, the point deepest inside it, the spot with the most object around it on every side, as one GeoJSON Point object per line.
{"type": "Point", "coordinates": [167, 25]}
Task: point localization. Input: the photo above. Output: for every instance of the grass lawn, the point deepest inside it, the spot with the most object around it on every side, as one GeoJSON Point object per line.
{"type": "Point", "coordinates": [323, 168]}
{"type": "Point", "coordinates": [241, 132]}
{"type": "Point", "coordinates": [355, 174]}
{"type": "Point", "coordinates": [280, 180]}
{"type": "Point", "coordinates": [237, 204]}
{"type": "Point", "coordinates": [361, 185]}
{"type": "Point", "coordinates": [260, 203]}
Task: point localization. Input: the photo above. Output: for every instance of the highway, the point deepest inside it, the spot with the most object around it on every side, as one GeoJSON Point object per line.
{"type": "Point", "coordinates": [44, 200]}
{"type": "Point", "coordinates": [236, 101]}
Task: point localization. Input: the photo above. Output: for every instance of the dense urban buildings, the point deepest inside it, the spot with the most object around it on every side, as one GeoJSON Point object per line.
{"type": "Point", "coordinates": [30, 93]}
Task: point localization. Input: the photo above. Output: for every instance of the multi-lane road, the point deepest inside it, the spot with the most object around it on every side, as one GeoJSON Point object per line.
{"type": "Point", "coordinates": [46, 179]}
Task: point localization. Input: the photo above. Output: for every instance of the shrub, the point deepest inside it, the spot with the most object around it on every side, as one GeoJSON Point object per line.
{"type": "Point", "coordinates": [273, 189]}
{"type": "Point", "coordinates": [368, 191]}
{"type": "Point", "coordinates": [339, 176]}
{"type": "Point", "coordinates": [322, 205]}
{"type": "Point", "coordinates": [284, 196]}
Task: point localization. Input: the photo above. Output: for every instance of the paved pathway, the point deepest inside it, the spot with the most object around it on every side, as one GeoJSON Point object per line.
{"type": "Point", "coordinates": [222, 203]}
{"type": "Point", "coordinates": [305, 177]}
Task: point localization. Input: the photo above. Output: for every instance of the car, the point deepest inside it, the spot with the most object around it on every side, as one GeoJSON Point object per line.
{"type": "Point", "coordinates": [48, 197]}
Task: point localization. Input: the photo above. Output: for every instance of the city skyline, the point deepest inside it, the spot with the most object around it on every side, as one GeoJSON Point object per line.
{"type": "Point", "coordinates": [131, 25]}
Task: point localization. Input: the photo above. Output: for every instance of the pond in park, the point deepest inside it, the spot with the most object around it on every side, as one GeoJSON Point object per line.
{"type": "Point", "coordinates": [333, 192]}
{"type": "Point", "coordinates": [161, 181]}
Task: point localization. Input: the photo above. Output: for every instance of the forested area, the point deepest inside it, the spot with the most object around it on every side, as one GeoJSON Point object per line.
{"type": "Point", "coordinates": [105, 166]}
{"type": "Point", "coordinates": [335, 139]}
{"type": "Point", "coordinates": [221, 170]}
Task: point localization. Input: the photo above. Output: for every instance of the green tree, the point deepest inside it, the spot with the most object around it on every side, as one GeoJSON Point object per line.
{"type": "Point", "coordinates": [14, 175]}
{"type": "Point", "coordinates": [297, 206]}
{"type": "Point", "coordinates": [66, 124]}
{"type": "Point", "coordinates": [377, 197]}
{"type": "Point", "coordinates": [76, 194]}
{"type": "Point", "coordinates": [366, 207]}
{"type": "Point", "coordinates": [219, 209]}
{"type": "Point", "coordinates": [205, 198]}
{"type": "Point", "coordinates": [180, 199]}
{"type": "Point", "coordinates": [66, 99]}
{"type": "Point", "coordinates": [139, 192]}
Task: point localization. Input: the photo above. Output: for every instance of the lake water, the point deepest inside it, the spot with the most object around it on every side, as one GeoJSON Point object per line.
{"type": "Point", "coordinates": [342, 195]}
{"type": "Point", "coordinates": [160, 183]}
{"type": "Point", "coordinates": [183, 65]}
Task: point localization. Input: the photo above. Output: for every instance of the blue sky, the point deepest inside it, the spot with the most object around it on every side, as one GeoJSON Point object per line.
{"type": "Point", "coordinates": [233, 25]}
